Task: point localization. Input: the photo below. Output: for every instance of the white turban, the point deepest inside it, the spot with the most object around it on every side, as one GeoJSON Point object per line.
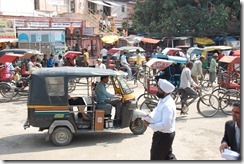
{"type": "Point", "coordinates": [166, 86]}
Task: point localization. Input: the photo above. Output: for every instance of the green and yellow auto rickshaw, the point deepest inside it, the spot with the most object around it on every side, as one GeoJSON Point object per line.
{"type": "Point", "coordinates": [48, 107]}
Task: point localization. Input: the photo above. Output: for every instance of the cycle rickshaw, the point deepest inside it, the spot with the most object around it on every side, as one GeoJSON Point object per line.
{"type": "Point", "coordinates": [228, 90]}
{"type": "Point", "coordinates": [48, 107]}
{"type": "Point", "coordinates": [165, 68]}
{"type": "Point", "coordinates": [8, 87]}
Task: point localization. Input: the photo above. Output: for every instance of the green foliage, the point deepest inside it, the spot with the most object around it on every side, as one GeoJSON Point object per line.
{"type": "Point", "coordinates": [160, 18]}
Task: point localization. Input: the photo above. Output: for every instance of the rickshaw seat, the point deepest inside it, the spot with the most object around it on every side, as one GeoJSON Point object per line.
{"type": "Point", "coordinates": [106, 107]}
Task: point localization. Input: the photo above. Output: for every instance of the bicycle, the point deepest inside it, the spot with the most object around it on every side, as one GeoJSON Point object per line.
{"type": "Point", "coordinates": [11, 89]}
{"type": "Point", "coordinates": [223, 103]}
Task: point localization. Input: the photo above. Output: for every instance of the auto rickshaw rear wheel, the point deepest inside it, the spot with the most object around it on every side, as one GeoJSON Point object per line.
{"type": "Point", "coordinates": [138, 126]}
{"type": "Point", "coordinates": [61, 136]}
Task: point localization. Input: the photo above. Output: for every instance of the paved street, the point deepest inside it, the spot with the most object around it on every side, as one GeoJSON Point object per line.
{"type": "Point", "coordinates": [197, 138]}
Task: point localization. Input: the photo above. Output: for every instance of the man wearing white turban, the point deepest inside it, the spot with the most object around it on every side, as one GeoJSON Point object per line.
{"type": "Point", "coordinates": [162, 121]}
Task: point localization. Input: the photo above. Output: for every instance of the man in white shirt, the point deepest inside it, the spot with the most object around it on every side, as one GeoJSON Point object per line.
{"type": "Point", "coordinates": [60, 61]}
{"type": "Point", "coordinates": [197, 69]}
{"type": "Point", "coordinates": [125, 64]}
{"type": "Point", "coordinates": [186, 84]}
{"type": "Point", "coordinates": [99, 65]}
{"type": "Point", "coordinates": [162, 122]}
{"type": "Point", "coordinates": [32, 63]}
{"type": "Point", "coordinates": [104, 53]}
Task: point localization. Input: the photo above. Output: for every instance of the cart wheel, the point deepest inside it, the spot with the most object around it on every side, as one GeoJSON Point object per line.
{"type": "Point", "coordinates": [61, 136]}
{"type": "Point", "coordinates": [7, 91]}
{"type": "Point", "coordinates": [138, 126]}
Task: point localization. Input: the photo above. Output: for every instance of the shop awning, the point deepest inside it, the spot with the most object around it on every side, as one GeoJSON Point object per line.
{"type": "Point", "coordinates": [110, 39]}
{"type": "Point", "coordinates": [204, 41]}
{"type": "Point", "coordinates": [99, 3]}
{"type": "Point", "coordinates": [149, 40]}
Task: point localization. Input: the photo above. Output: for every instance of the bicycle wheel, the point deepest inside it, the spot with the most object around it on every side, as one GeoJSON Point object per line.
{"type": "Point", "coordinates": [176, 96]}
{"type": "Point", "coordinates": [143, 97]}
{"type": "Point", "coordinates": [205, 86]}
{"type": "Point", "coordinates": [208, 105]}
{"type": "Point", "coordinates": [148, 105]}
{"type": "Point", "coordinates": [219, 92]}
{"type": "Point", "coordinates": [71, 85]}
{"type": "Point", "coordinates": [140, 76]}
{"type": "Point", "coordinates": [23, 91]}
{"type": "Point", "coordinates": [7, 91]}
{"type": "Point", "coordinates": [227, 101]}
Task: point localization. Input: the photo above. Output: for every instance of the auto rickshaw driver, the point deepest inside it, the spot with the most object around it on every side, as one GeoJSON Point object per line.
{"type": "Point", "coordinates": [103, 97]}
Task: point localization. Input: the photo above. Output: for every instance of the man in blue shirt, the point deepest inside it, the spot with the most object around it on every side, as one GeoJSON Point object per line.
{"type": "Point", "coordinates": [104, 97]}
{"type": "Point", "coordinates": [50, 62]}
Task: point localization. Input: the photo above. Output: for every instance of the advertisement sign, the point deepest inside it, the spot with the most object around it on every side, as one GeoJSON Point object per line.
{"type": "Point", "coordinates": [88, 31]}
{"type": "Point", "coordinates": [7, 29]}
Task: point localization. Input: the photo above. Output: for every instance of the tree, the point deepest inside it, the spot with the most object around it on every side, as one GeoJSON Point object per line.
{"type": "Point", "coordinates": [184, 17]}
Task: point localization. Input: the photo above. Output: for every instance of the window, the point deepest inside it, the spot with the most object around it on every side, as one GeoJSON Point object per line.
{"type": "Point", "coordinates": [36, 5]}
{"type": "Point", "coordinates": [45, 38]}
{"type": "Point", "coordinates": [33, 38]}
{"type": "Point", "coordinates": [123, 8]}
{"type": "Point", "coordinates": [55, 86]}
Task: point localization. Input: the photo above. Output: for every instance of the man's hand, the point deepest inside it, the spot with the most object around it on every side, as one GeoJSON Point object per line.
{"type": "Point", "coordinates": [223, 146]}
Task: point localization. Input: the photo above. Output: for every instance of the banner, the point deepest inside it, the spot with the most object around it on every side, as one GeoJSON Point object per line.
{"type": "Point", "coordinates": [7, 29]}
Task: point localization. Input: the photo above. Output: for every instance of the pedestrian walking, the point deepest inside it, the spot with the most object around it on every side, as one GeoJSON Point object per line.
{"type": "Point", "coordinates": [162, 121]}
{"type": "Point", "coordinates": [213, 69]}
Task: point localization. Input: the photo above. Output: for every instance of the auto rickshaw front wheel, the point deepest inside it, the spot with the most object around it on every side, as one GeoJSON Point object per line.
{"type": "Point", "coordinates": [138, 126]}
{"type": "Point", "coordinates": [61, 136]}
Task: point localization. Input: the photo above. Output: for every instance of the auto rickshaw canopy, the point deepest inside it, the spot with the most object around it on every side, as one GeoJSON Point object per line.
{"type": "Point", "coordinates": [49, 86]}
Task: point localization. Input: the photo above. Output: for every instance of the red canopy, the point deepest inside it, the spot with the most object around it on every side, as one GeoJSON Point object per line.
{"type": "Point", "coordinates": [113, 51]}
{"type": "Point", "coordinates": [72, 54]}
{"type": "Point", "coordinates": [230, 59]}
{"type": "Point", "coordinates": [159, 64]}
{"type": "Point", "coordinates": [236, 53]}
{"type": "Point", "coordinates": [10, 57]}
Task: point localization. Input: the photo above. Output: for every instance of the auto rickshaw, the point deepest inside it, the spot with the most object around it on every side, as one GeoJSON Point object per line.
{"type": "Point", "coordinates": [48, 107]}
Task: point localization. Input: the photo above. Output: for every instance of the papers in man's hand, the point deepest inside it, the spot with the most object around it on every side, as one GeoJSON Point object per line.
{"type": "Point", "coordinates": [148, 119]}
{"type": "Point", "coordinates": [230, 155]}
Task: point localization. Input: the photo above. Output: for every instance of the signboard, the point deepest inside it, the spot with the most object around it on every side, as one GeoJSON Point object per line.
{"type": "Point", "coordinates": [19, 23]}
{"type": "Point", "coordinates": [7, 29]}
{"type": "Point", "coordinates": [38, 24]}
{"type": "Point", "coordinates": [76, 24]}
{"type": "Point", "coordinates": [88, 31]}
{"type": "Point", "coordinates": [60, 24]}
